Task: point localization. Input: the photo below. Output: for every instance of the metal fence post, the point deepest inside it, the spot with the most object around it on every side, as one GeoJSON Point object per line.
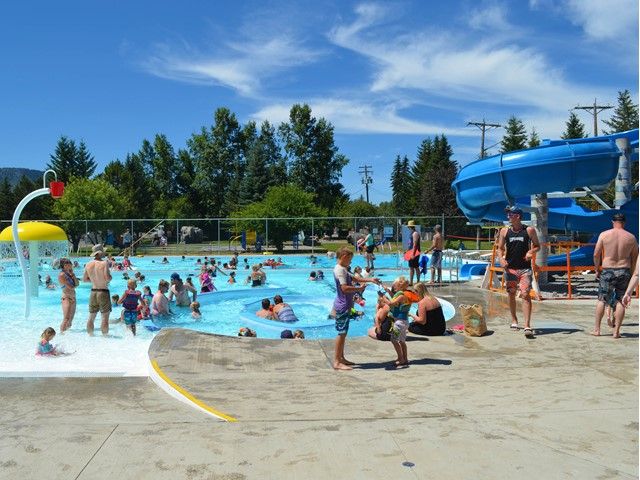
{"type": "Point", "coordinates": [266, 233]}
{"type": "Point", "coordinates": [177, 231]}
{"type": "Point", "coordinates": [313, 240]}
{"type": "Point", "coordinates": [218, 234]}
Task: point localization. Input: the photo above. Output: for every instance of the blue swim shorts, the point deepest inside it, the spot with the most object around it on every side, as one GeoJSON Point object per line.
{"type": "Point", "coordinates": [130, 317]}
{"type": "Point", "coordinates": [342, 322]}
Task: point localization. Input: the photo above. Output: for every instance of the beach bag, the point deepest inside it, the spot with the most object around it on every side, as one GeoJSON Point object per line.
{"type": "Point", "coordinates": [473, 319]}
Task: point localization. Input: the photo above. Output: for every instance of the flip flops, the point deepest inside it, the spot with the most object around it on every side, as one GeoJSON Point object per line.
{"type": "Point", "coordinates": [514, 326]}
{"type": "Point", "coordinates": [528, 332]}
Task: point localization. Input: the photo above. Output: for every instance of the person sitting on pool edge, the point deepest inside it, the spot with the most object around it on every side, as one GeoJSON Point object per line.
{"type": "Point", "coordinates": [429, 320]}
{"type": "Point", "coordinates": [283, 311]}
{"type": "Point", "coordinates": [266, 311]}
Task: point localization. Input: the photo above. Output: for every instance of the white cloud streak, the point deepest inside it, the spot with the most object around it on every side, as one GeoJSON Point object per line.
{"type": "Point", "coordinates": [241, 66]}
{"type": "Point", "coordinates": [443, 65]}
{"type": "Point", "coordinates": [349, 116]}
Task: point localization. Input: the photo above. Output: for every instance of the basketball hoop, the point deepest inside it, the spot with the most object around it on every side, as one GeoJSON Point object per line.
{"type": "Point", "coordinates": [56, 189]}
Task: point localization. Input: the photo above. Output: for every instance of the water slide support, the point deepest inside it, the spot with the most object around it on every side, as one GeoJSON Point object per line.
{"type": "Point", "coordinates": [540, 221]}
{"type": "Point", "coordinates": [623, 184]}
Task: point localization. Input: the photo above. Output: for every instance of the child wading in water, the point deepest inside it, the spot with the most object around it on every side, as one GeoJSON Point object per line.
{"type": "Point", "coordinates": [130, 300]}
{"type": "Point", "coordinates": [195, 310]}
{"type": "Point", "coordinates": [45, 347]}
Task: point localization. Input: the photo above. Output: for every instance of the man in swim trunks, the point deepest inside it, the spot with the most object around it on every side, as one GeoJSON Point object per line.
{"type": "Point", "coordinates": [436, 256]}
{"type": "Point", "coordinates": [97, 272]}
{"type": "Point", "coordinates": [414, 247]}
{"type": "Point", "coordinates": [343, 303]}
{"type": "Point", "coordinates": [266, 311]}
{"type": "Point", "coordinates": [516, 246]}
{"type": "Point", "coordinates": [617, 253]}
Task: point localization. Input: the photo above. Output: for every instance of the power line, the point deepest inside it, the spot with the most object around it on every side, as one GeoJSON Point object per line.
{"type": "Point", "coordinates": [484, 126]}
{"type": "Point", "coordinates": [365, 170]}
{"type": "Point", "coordinates": [594, 110]}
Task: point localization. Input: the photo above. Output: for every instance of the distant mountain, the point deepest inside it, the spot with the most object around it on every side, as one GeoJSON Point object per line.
{"type": "Point", "coordinates": [15, 174]}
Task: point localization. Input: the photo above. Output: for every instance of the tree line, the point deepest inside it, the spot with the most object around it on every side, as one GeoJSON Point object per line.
{"type": "Point", "coordinates": [227, 169]}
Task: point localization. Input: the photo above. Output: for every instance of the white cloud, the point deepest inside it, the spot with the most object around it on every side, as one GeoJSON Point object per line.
{"type": "Point", "coordinates": [348, 116]}
{"type": "Point", "coordinates": [605, 20]}
{"type": "Point", "coordinates": [445, 66]}
{"type": "Point", "coordinates": [241, 66]}
{"type": "Point", "coordinates": [489, 16]}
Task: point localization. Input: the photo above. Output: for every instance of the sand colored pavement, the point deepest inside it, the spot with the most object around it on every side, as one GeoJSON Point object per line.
{"type": "Point", "coordinates": [562, 405]}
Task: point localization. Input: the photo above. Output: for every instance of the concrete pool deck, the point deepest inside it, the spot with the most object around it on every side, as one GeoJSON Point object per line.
{"type": "Point", "coordinates": [562, 405]}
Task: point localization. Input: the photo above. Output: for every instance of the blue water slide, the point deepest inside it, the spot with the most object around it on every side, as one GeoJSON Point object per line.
{"type": "Point", "coordinates": [484, 187]}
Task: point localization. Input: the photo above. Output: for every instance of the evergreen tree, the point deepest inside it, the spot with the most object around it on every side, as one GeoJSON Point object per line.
{"type": "Point", "coordinates": [163, 179]}
{"type": "Point", "coordinates": [314, 162]}
{"type": "Point", "coordinates": [37, 209]}
{"type": "Point", "coordinates": [534, 139]}
{"type": "Point", "coordinates": [420, 170]}
{"type": "Point", "coordinates": [7, 202]}
{"type": "Point", "coordinates": [114, 174]}
{"type": "Point", "coordinates": [515, 137]}
{"type": "Point", "coordinates": [625, 115]}
{"type": "Point", "coordinates": [401, 185]}
{"type": "Point", "coordinates": [70, 160]}
{"type": "Point", "coordinates": [63, 159]}
{"type": "Point", "coordinates": [574, 128]}
{"type": "Point", "coordinates": [85, 164]}
{"type": "Point", "coordinates": [436, 196]}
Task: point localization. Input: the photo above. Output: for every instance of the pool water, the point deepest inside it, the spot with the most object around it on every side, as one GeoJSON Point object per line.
{"type": "Point", "coordinates": [224, 312]}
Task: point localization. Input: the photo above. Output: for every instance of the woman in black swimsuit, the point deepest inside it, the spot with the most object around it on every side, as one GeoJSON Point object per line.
{"type": "Point", "coordinates": [430, 319]}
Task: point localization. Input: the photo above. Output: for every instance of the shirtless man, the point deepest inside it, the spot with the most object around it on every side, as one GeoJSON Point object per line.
{"type": "Point", "coordinates": [436, 257]}
{"type": "Point", "coordinates": [181, 291]}
{"type": "Point", "coordinates": [414, 258]}
{"type": "Point", "coordinates": [616, 252]}
{"type": "Point", "coordinates": [516, 246]}
{"type": "Point", "coordinates": [97, 272]}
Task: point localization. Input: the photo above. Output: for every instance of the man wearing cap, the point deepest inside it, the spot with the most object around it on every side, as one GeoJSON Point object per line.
{"type": "Point", "coordinates": [181, 291]}
{"type": "Point", "coordinates": [616, 253]}
{"type": "Point", "coordinates": [97, 272]}
{"type": "Point", "coordinates": [516, 246]}
{"type": "Point", "coordinates": [414, 252]}
{"type": "Point", "coordinates": [436, 256]}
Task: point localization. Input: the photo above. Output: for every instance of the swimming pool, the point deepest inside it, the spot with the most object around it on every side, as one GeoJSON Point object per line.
{"type": "Point", "coordinates": [222, 313]}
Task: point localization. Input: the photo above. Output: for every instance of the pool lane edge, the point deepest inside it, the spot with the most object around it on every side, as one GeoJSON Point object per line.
{"type": "Point", "coordinates": [176, 391]}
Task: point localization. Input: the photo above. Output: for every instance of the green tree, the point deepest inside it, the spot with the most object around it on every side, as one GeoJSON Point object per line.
{"type": "Point", "coordinates": [436, 196]}
{"type": "Point", "coordinates": [216, 153]}
{"type": "Point", "coordinates": [265, 165]}
{"type": "Point", "coordinates": [70, 160]}
{"type": "Point", "coordinates": [515, 137]}
{"type": "Point", "coordinates": [7, 200]}
{"type": "Point", "coordinates": [37, 209]}
{"type": "Point", "coordinates": [314, 162]}
{"type": "Point", "coordinates": [86, 199]}
{"type": "Point", "coordinates": [185, 178]}
{"type": "Point", "coordinates": [574, 128]}
{"type": "Point", "coordinates": [63, 159]}
{"type": "Point", "coordinates": [534, 139]}
{"type": "Point", "coordinates": [420, 171]}
{"type": "Point", "coordinates": [288, 202]}
{"type": "Point", "coordinates": [625, 115]}
{"type": "Point", "coordinates": [401, 185]}
{"type": "Point", "coordinates": [85, 164]}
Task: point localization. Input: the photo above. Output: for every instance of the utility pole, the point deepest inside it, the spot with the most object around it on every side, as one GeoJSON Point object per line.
{"type": "Point", "coordinates": [365, 170]}
{"type": "Point", "coordinates": [593, 110]}
{"type": "Point", "coordinates": [484, 126]}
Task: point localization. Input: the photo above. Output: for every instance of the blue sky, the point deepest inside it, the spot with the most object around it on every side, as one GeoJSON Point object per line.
{"type": "Point", "coordinates": [385, 74]}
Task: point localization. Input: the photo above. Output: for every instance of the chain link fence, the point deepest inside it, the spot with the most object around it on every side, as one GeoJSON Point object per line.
{"type": "Point", "coordinates": [286, 235]}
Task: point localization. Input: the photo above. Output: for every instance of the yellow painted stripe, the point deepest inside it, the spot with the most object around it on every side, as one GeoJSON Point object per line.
{"type": "Point", "coordinates": [182, 391]}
